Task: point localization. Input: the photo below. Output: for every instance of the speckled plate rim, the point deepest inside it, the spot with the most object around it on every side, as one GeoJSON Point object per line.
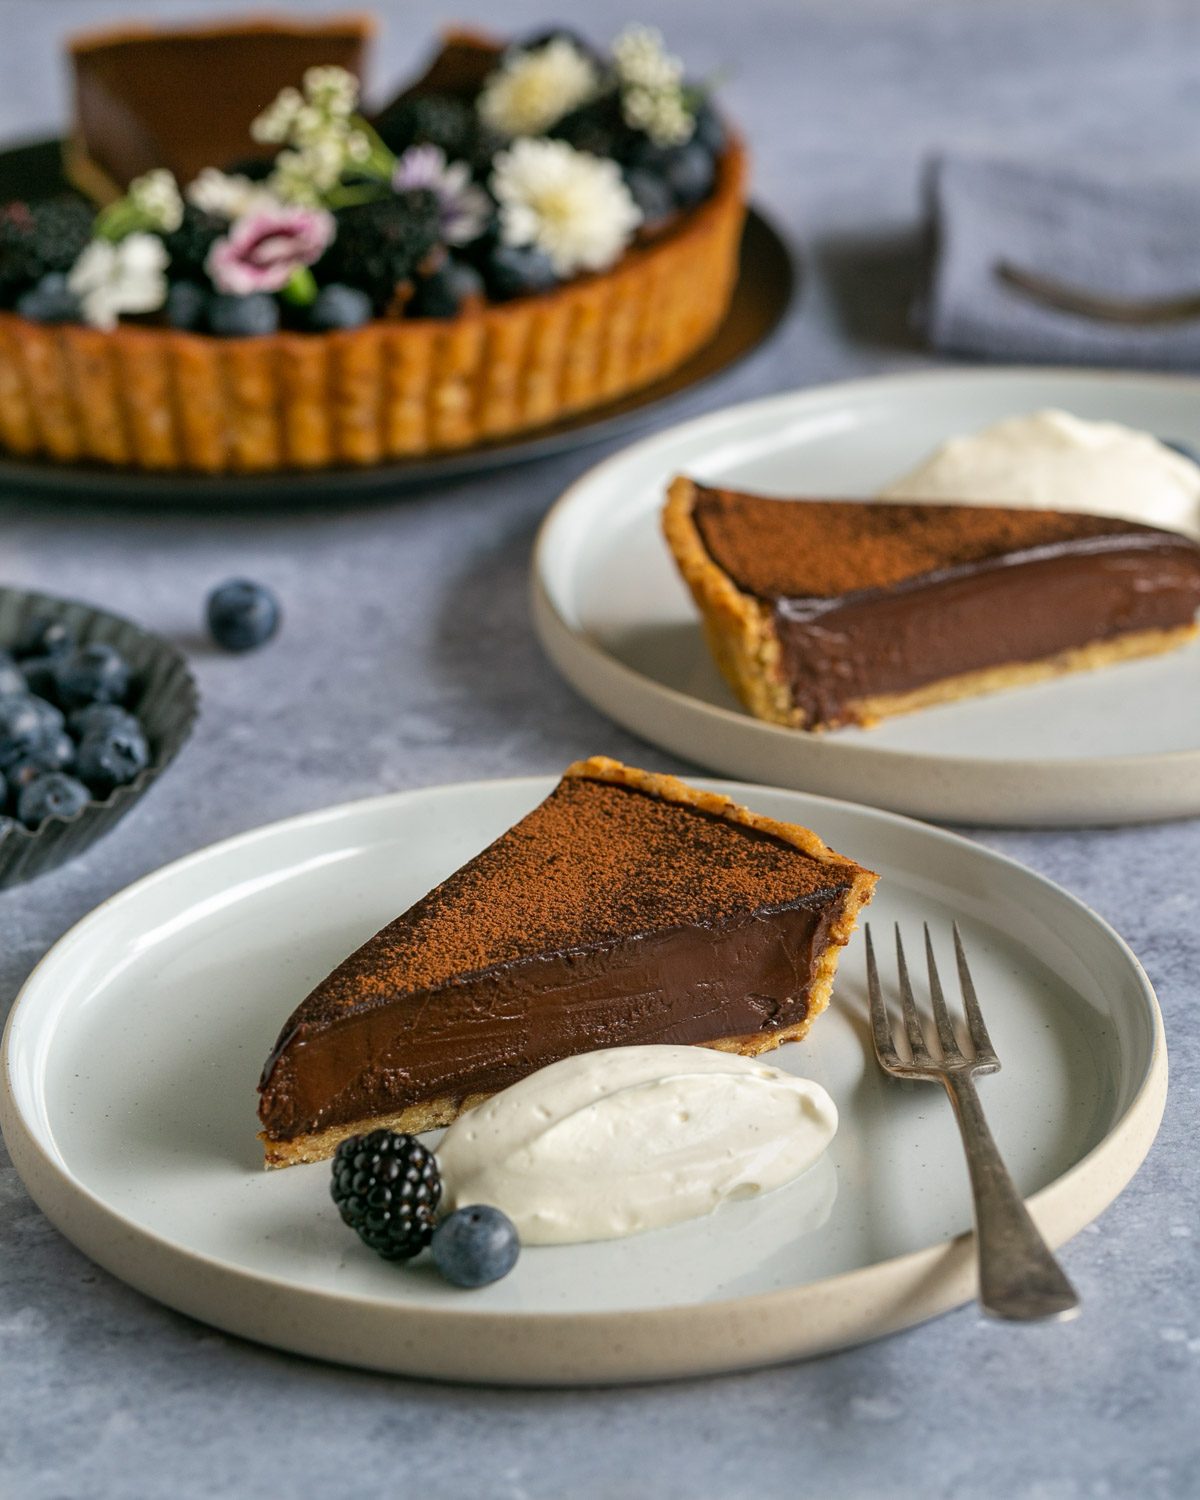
{"type": "Point", "coordinates": [1014, 792]}
{"type": "Point", "coordinates": [569, 1349]}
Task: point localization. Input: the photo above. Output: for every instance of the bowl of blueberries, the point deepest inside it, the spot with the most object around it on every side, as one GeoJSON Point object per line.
{"type": "Point", "coordinates": [92, 710]}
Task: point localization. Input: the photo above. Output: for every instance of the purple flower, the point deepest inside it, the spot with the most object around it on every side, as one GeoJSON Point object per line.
{"type": "Point", "coordinates": [265, 247]}
{"type": "Point", "coordinates": [463, 208]}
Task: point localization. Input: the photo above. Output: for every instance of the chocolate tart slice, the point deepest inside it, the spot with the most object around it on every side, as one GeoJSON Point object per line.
{"type": "Point", "coordinates": [184, 97]}
{"type": "Point", "coordinates": [829, 612]}
{"type": "Point", "coordinates": [627, 908]}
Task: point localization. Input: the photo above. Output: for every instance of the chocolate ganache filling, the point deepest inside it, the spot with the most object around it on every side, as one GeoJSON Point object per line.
{"type": "Point", "coordinates": [873, 598]}
{"type": "Point", "coordinates": [605, 918]}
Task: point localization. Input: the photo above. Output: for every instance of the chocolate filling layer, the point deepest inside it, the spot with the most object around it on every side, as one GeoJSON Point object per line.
{"type": "Point", "coordinates": [991, 614]}
{"type": "Point", "coordinates": [486, 1031]}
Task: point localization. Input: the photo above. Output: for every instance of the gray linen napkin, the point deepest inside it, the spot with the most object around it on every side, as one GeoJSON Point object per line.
{"type": "Point", "coordinates": [1117, 235]}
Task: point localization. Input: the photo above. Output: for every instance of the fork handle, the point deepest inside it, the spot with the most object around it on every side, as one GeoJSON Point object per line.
{"type": "Point", "coordinates": [1019, 1278]}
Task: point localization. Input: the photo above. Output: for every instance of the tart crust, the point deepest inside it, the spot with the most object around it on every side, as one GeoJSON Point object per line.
{"type": "Point", "coordinates": [153, 398]}
{"type": "Point", "coordinates": [741, 635]}
{"type": "Point", "coordinates": [431, 1114]}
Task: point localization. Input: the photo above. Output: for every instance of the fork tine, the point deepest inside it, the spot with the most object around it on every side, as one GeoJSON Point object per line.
{"type": "Point", "coordinates": [912, 1024]}
{"type": "Point", "coordinates": [881, 1030]}
{"type": "Point", "coordinates": [984, 1051]}
{"type": "Point", "coordinates": [941, 1016]}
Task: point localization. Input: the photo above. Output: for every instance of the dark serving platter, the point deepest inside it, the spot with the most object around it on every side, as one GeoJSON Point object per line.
{"type": "Point", "coordinates": [766, 281]}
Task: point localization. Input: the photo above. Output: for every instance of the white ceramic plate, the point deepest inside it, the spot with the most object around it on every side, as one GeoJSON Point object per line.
{"type": "Point", "coordinates": [1122, 745]}
{"type": "Point", "coordinates": [132, 1054]}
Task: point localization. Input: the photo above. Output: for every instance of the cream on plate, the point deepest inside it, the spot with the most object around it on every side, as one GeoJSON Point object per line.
{"type": "Point", "coordinates": [1051, 460]}
{"type": "Point", "coordinates": [611, 1143]}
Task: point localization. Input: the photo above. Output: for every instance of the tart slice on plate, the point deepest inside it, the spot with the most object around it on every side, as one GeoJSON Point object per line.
{"type": "Point", "coordinates": [821, 613]}
{"type": "Point", "coordinates": [627, 908]}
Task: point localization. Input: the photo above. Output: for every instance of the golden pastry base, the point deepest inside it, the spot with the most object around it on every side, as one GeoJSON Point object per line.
{"type": "Point", "coordinates": [151, 398]}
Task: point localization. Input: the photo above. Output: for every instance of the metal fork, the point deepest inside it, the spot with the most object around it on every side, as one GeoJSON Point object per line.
{"type": "Point", "coordinates": [1019, 1277]}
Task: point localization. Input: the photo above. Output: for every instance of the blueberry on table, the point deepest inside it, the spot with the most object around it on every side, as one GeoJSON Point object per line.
{"type": "Point", "coordinates": [387, 1189]}
{"type": "Point", "coordinates": [336, 306]}
{"type": "Point", "coordinates": [475, 1246]}
{"type": "Point", "coordinates": [242, 615]}
{"type": "Point", "coordinates": [242, 317]}
{"type": "Point", "coordinates": [21, 727]}
{"type": "Point", "coordinates": [51, 795]}
{"type": "Point", "coordinates": [12, 679]}
{"type": "Point", "coordinates": [111, 757]}
{"type": "Point", "coordinates": [92, 674]}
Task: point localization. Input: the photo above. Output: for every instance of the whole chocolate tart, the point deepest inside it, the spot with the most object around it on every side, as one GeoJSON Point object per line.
{"type": "Point", "coordinates": [150, 396]}
{"type": "Point", "coordinates": [627, 908]}
{"type": "Point", "coordinates": [822, 613]}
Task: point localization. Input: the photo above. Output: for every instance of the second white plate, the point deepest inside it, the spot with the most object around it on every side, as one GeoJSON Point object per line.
{"type": "Point", "coordinates": [1122, 745]}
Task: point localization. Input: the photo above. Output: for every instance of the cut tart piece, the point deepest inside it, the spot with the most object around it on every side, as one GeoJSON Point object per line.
{"type": "Point", "coordinates": [626, 908]}
{"type": "Point", "coordinates": [183, 97]}
{"type": "Point", "coordinates": [828, 612]}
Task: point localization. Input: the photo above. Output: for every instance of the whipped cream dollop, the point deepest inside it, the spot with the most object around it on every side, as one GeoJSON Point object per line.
{"type": "Point", "coordinates": [1050, 460]}
{"type": "Point", "coordinates": [611, 1143]}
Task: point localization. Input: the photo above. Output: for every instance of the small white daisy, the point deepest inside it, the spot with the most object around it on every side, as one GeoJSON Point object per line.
{"type": "Point", "coordinates": [573, 206]}
{"type": "Point", "coordinates": [156, 198]}
{"type": "Point", "coordinates": [227, 195]}
{"type": "Point", "coordinates": [531, 91]}
{"type": "Point", "coordinates": [126, 277]}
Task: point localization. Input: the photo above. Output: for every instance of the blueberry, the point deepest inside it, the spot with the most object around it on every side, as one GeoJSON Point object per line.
{"type": "Point", "coordinates": [6, 826]}
{"type": "Point", "coordinates": [187, 306]}
{"type": "Point", "coordinates": [442, 293]}
{"type": "Point", "coordinates": [20, 775]}
{"type": "Point", "coordinates": [518, 271]}
{"type": "Point", "coordinates": [40, 673]}
{"type": "Point", "coordinates": [710, 128]}
{"type": "Point", "coordinates": [84, 721]}
{"type": "Point", "coordinates": [55, 751]}
{"type": "Point", "coordinates": [51, 300]}
{"type": "Point", "coordinates": [21, 727]}
{"type": "Point", "coordinates": [475, 1246]}
{"type": "Point", "coordinates": [338, 306]}
{"type": "Point", "coordinates": [652, 195]}
{"type": "Point", "coordinates": [242, 615]}
{"type": "Point", "coordinates": [111, 757]}
{"type": "Point", "coordinates": [92, 674]}
{"type": "Point", "coordinates": [242, 317]}
{"type": "Point", "coordinates": [691, 171]}
{"type": "Point", "coordinates": [51, 717]}
{"type": "Point", "coordinates": [51, 795]}
{"type": "Point", "coordinates": [12, 679]}
{"type": "Point", "coordinates": [44, 635]}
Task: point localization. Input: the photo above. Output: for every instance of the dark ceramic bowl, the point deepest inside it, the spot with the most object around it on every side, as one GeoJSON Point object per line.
{"type": "Point", "coordinates": [164, 698]}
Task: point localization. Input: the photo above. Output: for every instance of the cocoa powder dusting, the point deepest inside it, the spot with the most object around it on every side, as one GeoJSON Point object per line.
{"type": "Point", "coordinates": [820, 549]}
{"type": "Point", "coordinates": [591, 865]}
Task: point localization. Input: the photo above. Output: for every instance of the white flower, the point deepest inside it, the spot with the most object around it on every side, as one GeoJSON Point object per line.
{"type": "Point", "coordinates": [156, 198]}
{"type": "Point", "coordinates": [275, 123]}
{"type": "Point", "coordinates": [531, 91]}
{"type": "Point", "coordinates": [463, 208]}
{"type": "Point", "coordinates": [651, 84]}
{"type": "Point", "coordinates": [126, 277]}
{"type": "Point", "coordinates": [571, 205]}
{"type": "Point", "coordinates": [227, 196]}
{"type": "Point", "coordinates": [332, 90]}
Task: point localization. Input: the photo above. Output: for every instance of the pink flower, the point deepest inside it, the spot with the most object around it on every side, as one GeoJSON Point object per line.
{"type": "Point", "coordinates": [266, 246]}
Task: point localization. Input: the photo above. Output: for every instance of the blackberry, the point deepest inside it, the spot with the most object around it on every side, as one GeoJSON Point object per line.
{"type": "Point", "coordinates": [379, 245]}
{"type": "Point", "coordinates": [439, 120]}
{"type": "Point", "coordinates": [387, 1189]}
{"type": "Point", "coordinates": [38, 238]}
{"type": "Point", "coordinates": [598, 127]}
{"type": "Point", "coordinates": [188, 246]}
